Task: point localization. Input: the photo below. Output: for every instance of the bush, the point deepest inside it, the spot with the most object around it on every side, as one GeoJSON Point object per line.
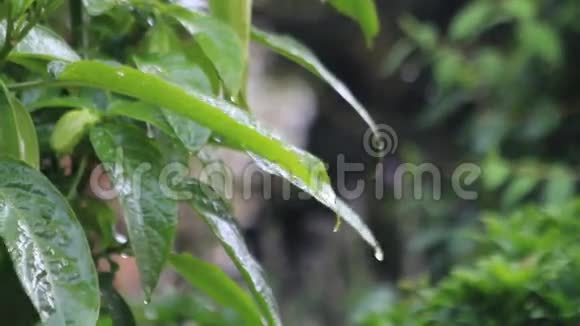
{"type": "Point", "coordinates": [527, 272]}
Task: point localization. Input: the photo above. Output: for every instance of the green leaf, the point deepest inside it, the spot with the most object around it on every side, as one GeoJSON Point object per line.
{"type": "Point", "coordinates": [230, 125]}
{"type": "Point", "coordinates": [219, 42]}
{"type": "Point", "coordinates": [541, 40]}
{"type": "Point", "coordinates": [134, 163]}
{"type": "Point", "coordinates": [185, 65]}
{"type": "Point", "coordinates": [472, 20]}
{"type": "Point", "coordinates": [217, 214]}
{"type": "Point", "coordinates": [217, 285]}
{"type": "Point", "coordinates": [98, 7]}
{"type": "Point", "coordinates": [48, 247]}
{"type": "Point", "coordinates": [299, 53]}
{"type": "Point", "coordinates": [71, 128]}
{"type": "Point", "coordinates": [17, 132]}
{"type": "Point", "coordinates": [518, 188]}
{"type": "Point", "coordinates": [495, 171]}
{"type": "Point", "coordinates": [142, 112]}
{"type": "Point", "coordinates": [20, 6]}
{"type": "Point", "coordinates": [178, 70]}
{"type": "Point", "coordinates": [40, 43]}
{"type": "Point", "coordinates": [425, 35]}
{"type": "Point", "coordinates": [113, 303]}
{"type": "Point", "coordinates": [398, 53]}
{"type": "Point", "coordinates": [362, 11]}
{"type": "Point", "coordinates": [238, 15]}
{"type": "Point", "coordinates": [161, 39]}
{"type": "Point", "coordinates": [560, 187]}
{"type": "Point", "coordinates": [191, 134]}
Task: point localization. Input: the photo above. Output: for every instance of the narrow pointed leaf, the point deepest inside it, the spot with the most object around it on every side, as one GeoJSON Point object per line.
{"type": "Point", "coordinates": [299, 53]}
{"type": "Point", "coordinates": [362, 11]}
{"type": "Point", "coordinates": [219, 42]}
{"type": "Point", "coordinates": [217, 285]}
{"type": "Point", "coordinates": [41, 43]}
{"type": "Point", "coordinates": [133, 162]}
{"type": "Point", "coordinates": [48, 247]}
{"type": "Point", "coordinates": [231, 126]}
{"type": "Point", "coordinates": [17, 132]}
{"type": "Point", "coordinates": [238, 15]}
{"type": "Point", "coordinates": [216, 213]}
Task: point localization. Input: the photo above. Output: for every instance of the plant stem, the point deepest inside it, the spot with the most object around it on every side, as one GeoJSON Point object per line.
{"type": "Point", "coordinates": [7, 46]}
{"type": "Point", "coordinates": [77, 23]}
{"type": "Point", "coordinates": [73, 193]}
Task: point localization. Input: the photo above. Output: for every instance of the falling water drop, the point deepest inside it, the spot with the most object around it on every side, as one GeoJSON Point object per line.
{"type": "Point", "coordinates": [379, 254]}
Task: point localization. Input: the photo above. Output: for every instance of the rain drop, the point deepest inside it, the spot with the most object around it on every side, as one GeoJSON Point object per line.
{"type": "Point", "coordinates": [379, 254]}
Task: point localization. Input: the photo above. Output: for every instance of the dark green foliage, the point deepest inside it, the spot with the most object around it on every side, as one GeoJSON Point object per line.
{"type": "Point", "coordinates": [527, 272]}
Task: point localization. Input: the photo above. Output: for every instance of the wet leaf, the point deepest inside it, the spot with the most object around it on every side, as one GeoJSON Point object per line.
{"type": "Point", "coordinates": [219, 42]}
{"type": "Point", "coordinates": [17, 132]}
{"type": "Point", "coordinates": [217, 214]}
{"type": "Point", "coordinates": [177, 69]}
{"type": "Point", "coordinates": [134, 163]}
{"type": "Point", "coordinates": [40, 43]}
{"type": "Point", "coordinates": [238, 15]}
{"type": "Point", "coordinates": [299, 53]}
{"type": "Point", "coordinates": [217, 285]}
{"type": "Point", "coordinates": [48, 247]}
{"type": "Point", "coordinates": [362, 11]}
{"type": "Point", "coordinates": [230, 125]}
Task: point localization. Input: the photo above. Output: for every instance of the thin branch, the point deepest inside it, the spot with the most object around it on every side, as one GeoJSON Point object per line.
{"type": "Point", "coordinates": [7, 46]}
{"type": "Point", "coordinates": [73, 191]}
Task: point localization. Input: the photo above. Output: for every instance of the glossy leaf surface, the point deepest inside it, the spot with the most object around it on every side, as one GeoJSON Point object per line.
{"type": "Point", "coordinates": [299, 53]}
{"type": "Point", "coordinates": [18, 137]}
{"type": "Point", "coordinates": [41, 43]}
{"type": "Point", "coordinates": [217, 215]}
{"type": "Point", "coordinates": [48, 247]}
{"type": "Point", "coordinates": [217, 285]}
{"type": "Point", "coordinates": [134, 163]}
{"type": "Point", "coordinates": [219, 42]}
{"type": "Point", "coordinates": [229, 124]}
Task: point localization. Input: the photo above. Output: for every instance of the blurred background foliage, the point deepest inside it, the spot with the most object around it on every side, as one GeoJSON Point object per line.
{"type": "Point", "coordinates": [499, 78]}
